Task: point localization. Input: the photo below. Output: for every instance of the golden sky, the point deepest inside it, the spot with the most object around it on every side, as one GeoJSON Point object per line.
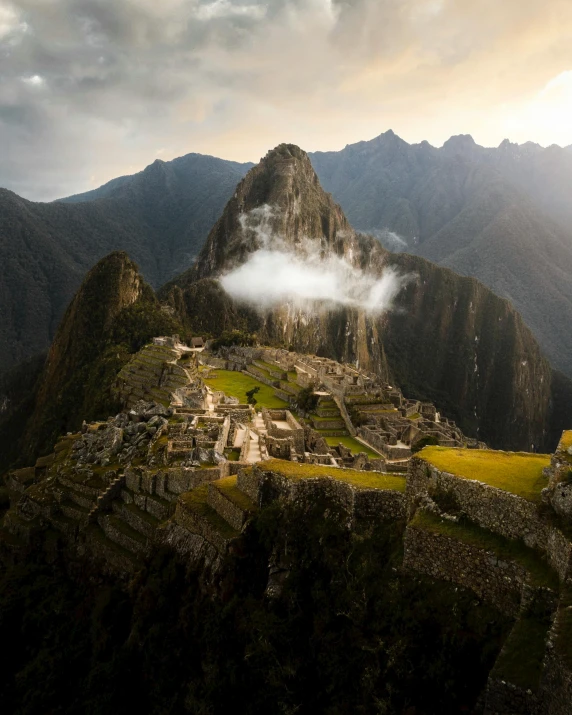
{"type": "Point", "coordinates": [93, 89]}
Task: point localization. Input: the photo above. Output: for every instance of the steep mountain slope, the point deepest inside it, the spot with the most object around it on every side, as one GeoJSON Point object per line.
{"type": "Point", "coordinates": [159, 216]}
{"type": "Point", "coordinates": [448, 338]}
{"type": "Point", "coordinates": [112, 315]}
{"type": "Point", "coordinates": [501, 215]}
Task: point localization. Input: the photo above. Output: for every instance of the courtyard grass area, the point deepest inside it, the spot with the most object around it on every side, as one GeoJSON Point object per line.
{"type": "Point", "coordinates": [363, 480]}
{"type": "Point", "coordinates": [353, 444]}
{"type": "Point", "coordinates": [505, 549]}
{"type": "Point", "coordinates": [517, 472]}
{"type": "Point", "coordinates": [237, 384]}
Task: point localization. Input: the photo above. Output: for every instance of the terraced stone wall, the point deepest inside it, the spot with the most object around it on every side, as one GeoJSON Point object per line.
{"type": "Point", "coordinates": [358, 504]}
{"type": "Point", "coordinates": [499, 582]}
{"type": "Point", "coordinates": [557, 680]}
{"type": "Point", "coordinates": [494, 509]}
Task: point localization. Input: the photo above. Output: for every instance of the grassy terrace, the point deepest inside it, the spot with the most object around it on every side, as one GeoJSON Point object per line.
{"type": "Point", "coordinates": [196, 500]}
{"type": "Point", "coordinates": [505, 549]}
{"type": "Point", "coordinates": [566, 440]}
{"type": "Point", "coordinates": [269, 367]}
{"type": "Point", "coordinates": [353, 444]}
{"type": "Point", "coordinates": [363, 480]}
{"type": "Point", "coordinates": [237, 384]}
{"type": "Point", "coordinates": [227, 487]}
{"type": "Point", "coordinates": [517, 472]}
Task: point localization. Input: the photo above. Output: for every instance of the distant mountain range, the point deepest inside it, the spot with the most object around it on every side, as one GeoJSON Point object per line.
{"type": "Point", "coordinates": [503, 215]}
{"type": "Point", "coordinates": [160, 216]}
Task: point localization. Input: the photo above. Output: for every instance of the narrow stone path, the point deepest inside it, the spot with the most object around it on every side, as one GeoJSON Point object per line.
{"type": "Point", "coordinates": [254, 450]}
{"type": "Point", "coordinates": [239, 436]}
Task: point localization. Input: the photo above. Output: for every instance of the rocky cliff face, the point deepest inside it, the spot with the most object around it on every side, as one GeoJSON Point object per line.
{"type": "Point", "coordinates": [448, 338]}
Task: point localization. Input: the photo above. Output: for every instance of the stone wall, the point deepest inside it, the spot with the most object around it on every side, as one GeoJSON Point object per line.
{"type": "Point", "coordinates": [230, 512]}
{"type": "Point", "coordinates": [502, 698]}
{"type": "Point", "coordinates": [556, 683]}
{"type": "Point", "coordinates": [193, 522]}
{"type": "Point", "coordinates": [494, 509]}
{"type": "Point", "coordinates": [499, 582]}
{"type": "Point", "coordinates": [264, 487]}
{"type": "Point", "coordinates": [379, 443]}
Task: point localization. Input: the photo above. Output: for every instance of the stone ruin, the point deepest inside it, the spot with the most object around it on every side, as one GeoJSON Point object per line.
{"type": "Point", "coordinates": [351, 402]}
{"type": "Point", "coordinates": [160, 473]}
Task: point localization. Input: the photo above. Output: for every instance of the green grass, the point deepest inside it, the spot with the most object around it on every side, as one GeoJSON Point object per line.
{"type": "Point", "coordinates": [232, 455]}
{"type": "Point", "coordinates": [520, 661]}
{"type": "Point", "coordinates": [517, 472]}
{"type": "Point", "coordinates": [364, 480]}
{"type": "Point", "coordinates": [353, 444]}
{"type": "Point", "coordinates": [414, 416]}
{"type": "Point", "coordinates": [292, 376]}
{"type": "Point", "coordinates": [334, 418]}
{"type": "Point", "coordinates": [237, 384]}
{"type": "Point", "coordinates": [269, 367]}
{"type": "Point", "coordinates": [227, 486]}
{"type": "Point", "coordinates": [505, 549]}
{"type": "Point", "coordinates": [196, 500]}
{"type": "Point", "coordinates": [566, 440]}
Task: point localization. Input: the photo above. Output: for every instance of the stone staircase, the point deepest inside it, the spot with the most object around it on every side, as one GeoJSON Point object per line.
{"type": "Point", "coordinates": [328, 420]}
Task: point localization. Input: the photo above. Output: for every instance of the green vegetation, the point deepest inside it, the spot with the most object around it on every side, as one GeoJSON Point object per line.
{"type": "Point", "coordinates": [423, 442]}
{"type": "Point", "coordinates": [232, 337]}
{"type": "Point", "coordinates": [506, 549]}
{"type": "Point", "coordinates": [101, 330]}
{"type": "Point", "coordinates": [520, 661]}
{"type": "Point", "coordinates": [353, 444]}
{"type": "Point", "coordinates": [269, 367]}
{"type": "Point", "coordinates": [236, 384]}
{"type": "Point", "coordinates": [227, 486]}
{"type": "Point", "coordinates": [232, 455]}
{"type": "Point", "coordinates": [566, 440]}
{"type": "Point", "coordinates": [517, 472]}
{"type": "Point", "coordinates": [365, 480]}
{"type": "Point", "coordinates": [250, 395]}
{"type": "Point", "coordinates": [196, 500]}
{"type": "Point", "coordinates": [306, 400]}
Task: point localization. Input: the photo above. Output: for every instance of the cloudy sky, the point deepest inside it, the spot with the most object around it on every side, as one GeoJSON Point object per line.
{"type": "Point", "coordinates": [93, 89]}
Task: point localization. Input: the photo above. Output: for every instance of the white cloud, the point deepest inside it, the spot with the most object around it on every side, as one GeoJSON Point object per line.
{"type": "Point", "coordinates": [273, 277]}
{"type": "Point", "coordinates": [34, 81]}
{"type": "Point", "coordinates": [225, 8]}
{"type": "Point", "coordinates": [11, 26]}
{"type": "Point", "coordinates": [277, 272]}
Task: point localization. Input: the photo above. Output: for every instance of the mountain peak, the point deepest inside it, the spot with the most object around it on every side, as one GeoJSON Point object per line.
{"type": "Point", "coordinates": [460, 144]}
{"type": "Point", "coordinates": [280, 197]}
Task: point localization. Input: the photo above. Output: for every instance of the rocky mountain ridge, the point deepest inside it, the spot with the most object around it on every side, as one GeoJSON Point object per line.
{"type": "Point", "coordinates": [160, 217]}
{"type": "Point", "coordinates": [449, 339]}
{"type": "Point", "coordinates": [501, 215]}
